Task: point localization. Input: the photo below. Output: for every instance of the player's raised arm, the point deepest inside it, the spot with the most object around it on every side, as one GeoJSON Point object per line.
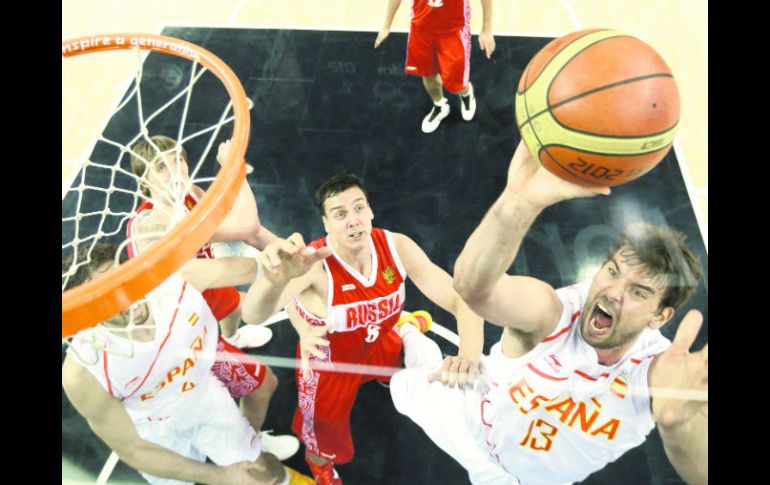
{"type": "Point", "coordinates": [285, 270]}
{"type": "Point", "coordinates": [480, 277]}
{"type": "Point", "coordinates": [390, 12]}
{"type": "Point", "coordinates": [436, 284]}
{"type": "Point", "coordinates": [683, 420]}
{"type": "Point", "coordinates": [242, 222]}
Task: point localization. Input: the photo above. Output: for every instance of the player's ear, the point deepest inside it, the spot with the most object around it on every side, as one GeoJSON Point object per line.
{"type": "Point", "coordinates": [663, 317]}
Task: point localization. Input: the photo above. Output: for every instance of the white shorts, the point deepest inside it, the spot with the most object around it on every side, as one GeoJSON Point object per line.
{"type": "Point", "coordinates": [449, 416]}
{"type": "Point", "coordinates": [211, 425]}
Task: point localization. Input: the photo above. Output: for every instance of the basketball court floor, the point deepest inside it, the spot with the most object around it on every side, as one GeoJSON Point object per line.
{"type": "Point", "coordinates": [326, 102]}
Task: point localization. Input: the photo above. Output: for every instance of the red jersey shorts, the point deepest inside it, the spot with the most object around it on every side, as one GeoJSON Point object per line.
{"type": "Point", "coordinates": [322, 419]}
{"type": "Point", "coordinates": [222, 301]}
{"type": "Point", "coordinates": [448, 54]}
{"type": "Point", "coordinates": [241, 373]}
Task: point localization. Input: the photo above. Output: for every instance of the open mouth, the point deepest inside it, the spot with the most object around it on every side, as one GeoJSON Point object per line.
{"type": "Point", "coordinates": [601, 320]}
{"type": "Point", "coordinates": [356, 235]}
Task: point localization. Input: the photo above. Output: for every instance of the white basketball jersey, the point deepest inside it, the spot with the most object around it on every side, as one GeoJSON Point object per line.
{"type": "Point", "coordinates": [556, 415]}
{"type": "Point", "coordinates": [154, 381]}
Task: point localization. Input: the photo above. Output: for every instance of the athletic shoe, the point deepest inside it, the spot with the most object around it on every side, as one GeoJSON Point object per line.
{"type": "Point", "coordinates": [282, 446]}
{"type": "Point", "coordinates": [250, 336]}
{"type": "Point", "coordinates": [468, 104]}
{"type": "Point", "coordinates": [439, 111]}
{"type": "Point", "coordinates": [420, 319]}
{"type": "Point", "coordinates": [324, 474]}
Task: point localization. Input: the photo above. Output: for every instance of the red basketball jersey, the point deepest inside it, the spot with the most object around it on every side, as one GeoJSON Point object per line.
{"type": "Point", "coordinates": [360, 309]}
{"type": "Point", "coordinates": [441, 16]}
{"type": "Point", "coordinates": [189, 202]}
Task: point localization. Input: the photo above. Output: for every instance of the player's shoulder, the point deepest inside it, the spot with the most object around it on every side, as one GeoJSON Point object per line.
{"type": "Point", "coordinates": [74, 375]}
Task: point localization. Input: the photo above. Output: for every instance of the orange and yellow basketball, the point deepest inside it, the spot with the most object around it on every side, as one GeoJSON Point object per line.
{"type": "Point", "coordinates": [597, 107]}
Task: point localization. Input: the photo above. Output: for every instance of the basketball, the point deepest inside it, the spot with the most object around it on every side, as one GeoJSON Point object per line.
{"type": "Point", "coordinates": [597, 107]}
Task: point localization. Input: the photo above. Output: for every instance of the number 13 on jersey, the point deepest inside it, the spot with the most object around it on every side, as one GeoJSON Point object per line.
{"type": "Point", "coordinates": [543, 433]}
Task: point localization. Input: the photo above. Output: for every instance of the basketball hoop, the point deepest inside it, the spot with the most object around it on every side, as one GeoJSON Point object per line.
{"type": "Point", "coordinates": [109, 294]}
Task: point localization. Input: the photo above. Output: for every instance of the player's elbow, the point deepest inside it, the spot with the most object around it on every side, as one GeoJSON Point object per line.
{"type": "Point", "coordinates": [467, 288]}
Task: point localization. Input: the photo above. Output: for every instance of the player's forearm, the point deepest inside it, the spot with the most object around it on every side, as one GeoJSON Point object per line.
{"type": "Point", "coordinates": [486, 8]}
{"type": "Point", "coordinates": [390, 13]}
{"type": "Point", "coordinates": [242, 222]}
{"type": "Point", "coordinates": [261, 302]}
{"type": "Point", "coordinates": [470, 329]}
{"type": "Point", "coordinates": [296, 320]}
{"type": "Point", "coordinates": [159, 461]}
{"type": "Point", "coordinates": [492, 247]}
{"type": "Point", "coordinates": [262, 238]}
{"type": "Point", "coordinates": [686, 446]}
{"type": "Point", "coordinates": [220, 272]}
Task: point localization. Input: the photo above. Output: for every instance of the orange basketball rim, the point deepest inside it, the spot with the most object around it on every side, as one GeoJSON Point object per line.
{"type": "Point", "coordinates": [109, 294]}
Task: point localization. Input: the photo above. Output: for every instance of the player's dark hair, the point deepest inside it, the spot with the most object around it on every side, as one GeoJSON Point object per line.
{"type": "Point", "coordinates": [90, 260]}
{"type": "Point", "coordinates": [336, 185]}
{"type": "Point", "coordinates": [665, 256]}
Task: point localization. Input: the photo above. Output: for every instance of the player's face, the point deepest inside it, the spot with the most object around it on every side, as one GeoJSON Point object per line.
{"type": "Point", "coordinates": [168, 177]}
{"type": "Point", "coordinates": [348, 218]}
{"type": "Point", "coordinates": [623, 300]}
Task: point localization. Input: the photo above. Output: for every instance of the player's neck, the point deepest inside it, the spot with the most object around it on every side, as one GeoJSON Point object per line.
{"type": "Point", "coordinates": [610, 357]}
{"type": "Point", "coordinates": [358, 258]}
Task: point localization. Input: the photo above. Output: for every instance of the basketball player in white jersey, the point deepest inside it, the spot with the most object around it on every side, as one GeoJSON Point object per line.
{"type": "Point", "coordinates": [579, 374]}
{"type": "Point", "coordinates": [161, 165]}
{"type": "Point", "coordinates": [143, 381]}
{"type": "Point", "coordinates": [349, 289]}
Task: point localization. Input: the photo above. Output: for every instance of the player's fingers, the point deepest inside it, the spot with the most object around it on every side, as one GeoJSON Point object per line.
{"type": "Point", "coordinates": [318, 254]}
{"type": "Point", "coordinates": [320, 342]}
{"type": "Point", "coordinates": [445, 370]}
{"type": "Point", "coordinates": [316, 352]}
{"type": "Point", "coordinates": [467, 375]}
{"type": "Point", "coordinates": [462, 376]}
{"type": "Point", "coordinates": [454, 370]}
{"type": "Point", "coordinates": [305, 365]}
{"type": "Point", "coordinates": [270, 259]}
{"type": "Point", "coordinates": [687, 331]}
{"type": "Point", "coordinates": [297, 240]}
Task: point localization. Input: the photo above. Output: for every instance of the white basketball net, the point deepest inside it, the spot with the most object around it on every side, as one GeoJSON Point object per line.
{"type": "Point", "coordinates": [105, 193]}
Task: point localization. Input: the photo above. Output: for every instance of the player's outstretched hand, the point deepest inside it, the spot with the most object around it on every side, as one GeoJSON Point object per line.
{"type": "Point", "coordinates": [456, 370]}
{"type": "Point", "coordinates": [311, 339]}
{"type": "Point", "coordinates": [286, 259]}
{"type": "Point", "coordinates": [679, 379]}
{"type": "Point", "coordinates": [243, 473]}
{"type": "Point", "coordinates": [223, 150]}
{"type": "Point", "coordinates": [528, 177]}
{"type": "Point", "coordinates": [487, 43]}
{"type": "Point", "coordinates": [381, 36]}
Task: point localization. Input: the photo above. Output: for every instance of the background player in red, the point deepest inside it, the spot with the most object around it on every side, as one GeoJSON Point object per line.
{"type": "Point", "coordinates": [439, 50]}
{"type": "Point", "coordinates": [161, 165]}
{"type": "Point", "coordinates": [349, 287]}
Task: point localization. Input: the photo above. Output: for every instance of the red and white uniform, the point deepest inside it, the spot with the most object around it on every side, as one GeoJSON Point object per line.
{"type": "Point", "coordinates": [554, 415]}
{"type": "Point", "coordinates": [361, 312]}
{"type": "Point", "coordinates": [166, 385]}
{"type": "Point", "coordinates": [239, 371]}
{"type": "Point", "coordinates": [440, 41]}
